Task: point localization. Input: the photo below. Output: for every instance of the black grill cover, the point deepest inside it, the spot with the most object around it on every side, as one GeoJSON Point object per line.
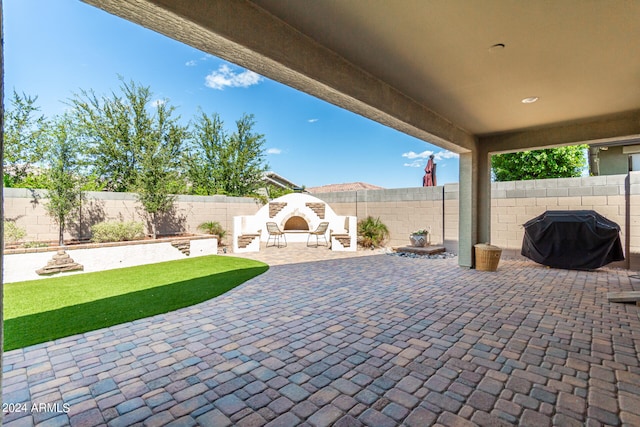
{"type": "Point", "coordinates": [577, 240]}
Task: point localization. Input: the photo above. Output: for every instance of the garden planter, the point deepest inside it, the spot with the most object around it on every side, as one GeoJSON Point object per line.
{"type": "Point", "coordinates": [21, 264]}
{"type": "Point", "coordinates": [419, 240]}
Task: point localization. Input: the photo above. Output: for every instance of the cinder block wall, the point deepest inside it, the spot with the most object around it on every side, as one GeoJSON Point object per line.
{"type": "Point", "coordinates": [403, 210]}
{"type": "Point", "coordinates": [26, 207]}
{"type": "Point", "coordinates": [633, 224]}
{"type": "Point", "coordinates": [514, 203]}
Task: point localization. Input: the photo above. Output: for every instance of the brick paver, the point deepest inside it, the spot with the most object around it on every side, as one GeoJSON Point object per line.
{"type": "Point", "coordinates": [367, 340]}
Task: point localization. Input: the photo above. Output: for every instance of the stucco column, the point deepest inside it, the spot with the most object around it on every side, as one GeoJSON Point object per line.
{"type": "Point", "coordinates": [468, 208]}
{"type": "Point", "coordinates": [474, 204]}
{"type": "Point", "coordinates": [484, 196]}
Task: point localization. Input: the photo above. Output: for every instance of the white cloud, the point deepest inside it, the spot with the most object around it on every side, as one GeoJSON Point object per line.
{"type": "Point", "coordinates": [413, 155]}
{"type": "Point", "coordinates": [274, 151]}
{"type": "Point", "coordinates": [414, 164]}
{"type": "Point", "coordinates": [313, 120]}
{"type": "Point", "coordinates": [226, 77]}
{"type": "Point", "coordinates": [194, 62]}
{"type": "Point", "coordinates": [445, 155]}
{"type": "Point", "coordinates": [440, 155]}
{"type": "Point", "coordinates": [158, 102]}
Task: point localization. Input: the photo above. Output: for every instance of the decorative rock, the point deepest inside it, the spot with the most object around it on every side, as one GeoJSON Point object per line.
{"type": "Point", "coordinates": [442, 255]}
{"type": "Point", "coordinates": [61, 262]}
{"type": "Point", "coordinates": [425, 250]}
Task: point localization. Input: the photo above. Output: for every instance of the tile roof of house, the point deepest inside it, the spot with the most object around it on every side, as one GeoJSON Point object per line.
{"type": "Point", "coordinates": [351, 186]}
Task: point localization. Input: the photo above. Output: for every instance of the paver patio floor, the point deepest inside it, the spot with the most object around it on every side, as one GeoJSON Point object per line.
{"type": "Point", "coordinates": [375, 340]}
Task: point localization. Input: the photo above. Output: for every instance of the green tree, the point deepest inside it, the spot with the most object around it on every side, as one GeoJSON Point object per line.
{"type": "Point", "coordinates": [158, 178]}
{"type": "Point", "coordinates": [242, 166]}
{"type": "Point", "coordinates": [561, 162]}
{"type": "Point", "coordinates": [24, 138]}
{"type": "Point", "coordinates": [63, 174]}
{"type": "Point", "coordinates": [203, 157]}
{"type": "Point", "coordinates": [218, 163]}
{"type": "Point", "coordinates": [274, 192]}
{"type": "Point", "coordinates": [117, 130]}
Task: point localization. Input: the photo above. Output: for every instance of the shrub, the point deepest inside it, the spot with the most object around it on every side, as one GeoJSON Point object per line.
{"type": "Point", "coordinates": [372, 231]}
{"type": "Point", "coordinates": [212, 227]}
{"type": "Point", "coordinates": [116, 231]}
{"type": "Point", "coordinates": [30, 245]}
{"type": "Point", "coordinates": [13, 233]}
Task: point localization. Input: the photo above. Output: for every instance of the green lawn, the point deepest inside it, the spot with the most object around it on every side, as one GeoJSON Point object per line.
{"type": "Point", "coordinates": [42, 310]}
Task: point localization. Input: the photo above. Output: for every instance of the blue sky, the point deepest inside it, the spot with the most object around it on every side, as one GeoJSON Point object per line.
{"type": "Point", "coordinates": [56, 48]}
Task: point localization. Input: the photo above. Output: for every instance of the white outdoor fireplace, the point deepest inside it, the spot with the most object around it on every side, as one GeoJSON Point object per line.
{"type": "Point", "coordinates": [295, 214]}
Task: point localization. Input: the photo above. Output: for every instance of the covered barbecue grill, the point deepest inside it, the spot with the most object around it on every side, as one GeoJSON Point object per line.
{"type": "Point", "coordinates": [578, 240]}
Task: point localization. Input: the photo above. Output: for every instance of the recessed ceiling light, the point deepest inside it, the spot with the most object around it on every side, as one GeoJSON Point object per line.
{"type": "Point", "coordinates": [530, 100]}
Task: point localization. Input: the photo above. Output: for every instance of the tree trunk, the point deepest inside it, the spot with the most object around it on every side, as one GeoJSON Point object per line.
{"type": "Point", "coordinates": [61, 234]}
{"type": "Point", "coordinates": [154, 230]}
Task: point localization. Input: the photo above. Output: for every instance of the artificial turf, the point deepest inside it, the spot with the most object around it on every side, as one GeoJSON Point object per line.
{"type": "Point", "coordinates": [37, 311]}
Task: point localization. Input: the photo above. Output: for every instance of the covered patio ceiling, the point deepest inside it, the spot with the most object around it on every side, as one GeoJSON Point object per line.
{"type": "Point", "coordinates": [473, 62]}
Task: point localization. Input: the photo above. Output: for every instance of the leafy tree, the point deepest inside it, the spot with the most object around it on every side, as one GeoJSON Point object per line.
{"type": "Point", "coordinates": [219, 163]}
{"type": "Point", "coordinates": [158, 178]}
{"type": "Point", "coordinates": [12, 232]}
{"type": "Point", "coordinates": [561, 162]}
{"type": "Point", "coordinates": [242, 165]}
{"type": "Point", "coordinates": [117, 130]}
{"type": "Point", "coordinates": [203, 157]}
{"type": "Point", "coordinates": [132, 148]}
{"type": "Point", "coordinates": [274, 192]}
{"type": "Point", "coordinates": [35, 179]}
{"type": "Point", "coordinates": [24, 138]}
{"type": "Point", "coordinates": [63, 174]}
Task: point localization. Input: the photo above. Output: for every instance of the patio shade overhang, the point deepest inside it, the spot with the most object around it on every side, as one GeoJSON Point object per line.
{"type": "Point", "coordinates": [451, 73]}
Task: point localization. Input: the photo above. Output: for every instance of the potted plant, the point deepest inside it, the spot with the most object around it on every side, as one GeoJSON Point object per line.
{"type": "Point", "coordinates": [420, 238]}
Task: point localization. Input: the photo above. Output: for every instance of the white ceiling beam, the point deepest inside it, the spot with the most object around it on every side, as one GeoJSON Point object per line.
{"type": "Point", "coordinates": [618, 126]}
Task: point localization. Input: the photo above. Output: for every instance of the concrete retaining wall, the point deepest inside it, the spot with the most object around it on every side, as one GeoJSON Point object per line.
{"type": "Point", "coordinates": [21, 265]}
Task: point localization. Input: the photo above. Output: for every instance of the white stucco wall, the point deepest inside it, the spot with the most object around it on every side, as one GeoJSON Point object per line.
{"type": "Point", "coordinates": [19, 267]}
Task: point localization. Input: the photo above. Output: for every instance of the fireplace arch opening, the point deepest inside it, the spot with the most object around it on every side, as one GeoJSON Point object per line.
{"type": "Point", "coordinates": [296, 223]}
